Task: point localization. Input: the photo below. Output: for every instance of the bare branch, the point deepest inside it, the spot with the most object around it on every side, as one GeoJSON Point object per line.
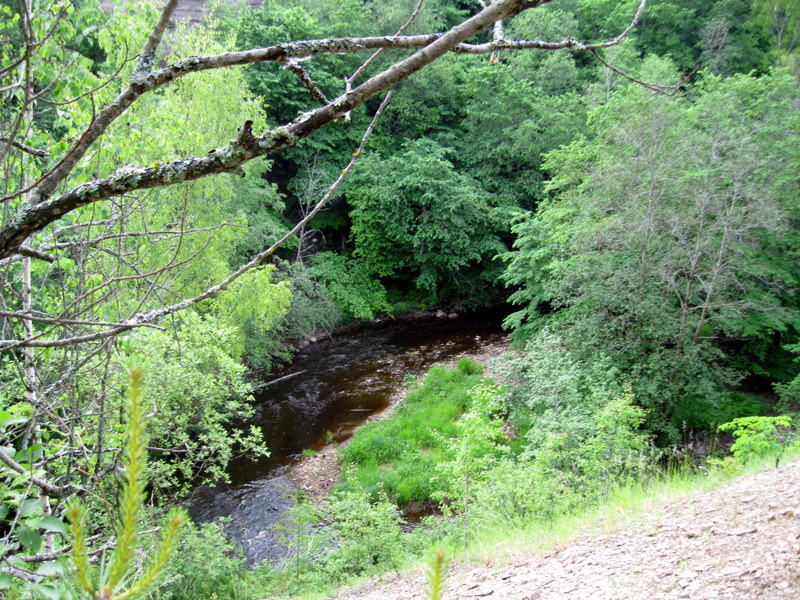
{"type": "Point", "coordinates": [54, 491]}
{"type": "Point", "coordinates": [64, 321]}
{"type": "Point", "coordinates": [150, 47]}
{"type": "Point", "coordinates": [666, 89]}
{"type": "Point", "coordinates": [166, 233]}
{"type": "Point", "coordinates": [24, 147]}
{"type": "Point", "coordinates": [39, 254]}
{"type": "Point", "coordinates": [293, 65]}
{"type": "Point", "coordinates": [350, 80]}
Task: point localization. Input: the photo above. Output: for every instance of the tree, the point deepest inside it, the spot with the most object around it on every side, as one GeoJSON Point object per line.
{"type": "Point", "coordinates": [412, 212]}
{"type": "Point", "coordinates": [77, 102]}
{"type": "Point", "coordinates": [663, 239]}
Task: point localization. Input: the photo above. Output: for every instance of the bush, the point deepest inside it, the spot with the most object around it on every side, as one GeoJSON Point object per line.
{"type": "Point", "coordinates": [347, 534]}
{"type": "Point", "coordinates": [757, 437]}
{"type": "Point", "coordinates": [209, 566]}
{"type": "Point", "coordinates": [350, 285]}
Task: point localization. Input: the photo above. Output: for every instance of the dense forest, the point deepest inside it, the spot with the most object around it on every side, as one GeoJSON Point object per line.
{"type": "Point", "coordinates": [184, 204]}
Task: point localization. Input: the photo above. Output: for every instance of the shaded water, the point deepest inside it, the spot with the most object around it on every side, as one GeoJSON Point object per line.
{"type": "Point", "coordinates": [340, 383]}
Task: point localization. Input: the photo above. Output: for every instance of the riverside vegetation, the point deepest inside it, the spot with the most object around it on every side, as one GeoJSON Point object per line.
{"type": "Point", "coordinates": [641, 211]}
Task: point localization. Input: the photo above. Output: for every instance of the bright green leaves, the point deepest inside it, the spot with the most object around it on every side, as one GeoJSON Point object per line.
{"type": "Point", "coordinates": [350, 285]}
{"type": "Point", "coordinates": [196, 391]}
{"type": "Point", "coordinates": [757, 437]}
{"type": "Point", "coordinates": [517, 113]}
{"type": "Point", "coordinates": [254, 297]}
{"type": "Point", "coordinates": [116, 579]}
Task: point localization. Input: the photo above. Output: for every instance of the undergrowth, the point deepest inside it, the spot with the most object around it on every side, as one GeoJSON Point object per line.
{"type": "Point", "coordinates": [576, 470]}
{"type": "Point", "coordinates": [397, 456]}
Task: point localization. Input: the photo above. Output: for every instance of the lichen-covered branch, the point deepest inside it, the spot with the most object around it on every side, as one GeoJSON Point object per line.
{"type": "Point", "coordinates": [43, 209]}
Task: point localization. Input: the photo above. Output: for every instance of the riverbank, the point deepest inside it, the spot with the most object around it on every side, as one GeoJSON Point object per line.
{"type": "Point", "coordinates": [318, 474]}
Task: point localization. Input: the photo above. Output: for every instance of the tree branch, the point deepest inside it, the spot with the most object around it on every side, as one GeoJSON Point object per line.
{"type": "Point", "coordinates": [24, 147]}
{"type": "Point", "coordinates": [44, 210]}
{"type": "Point", "coordinates": [293, 65]}
{"type": "Point", "coordinates": [54, 491]}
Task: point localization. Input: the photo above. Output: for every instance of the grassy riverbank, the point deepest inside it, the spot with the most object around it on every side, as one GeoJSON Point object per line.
{"type": "Point", "coordinates": [450, 442]}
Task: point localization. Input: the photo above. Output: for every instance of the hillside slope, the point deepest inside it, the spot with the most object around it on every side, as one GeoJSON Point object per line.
{"type": "Point", "coordinates": [738, 541]}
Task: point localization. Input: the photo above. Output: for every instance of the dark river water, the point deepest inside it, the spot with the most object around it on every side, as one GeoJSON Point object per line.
{"type": "Point", "coordinates": [335, 385]}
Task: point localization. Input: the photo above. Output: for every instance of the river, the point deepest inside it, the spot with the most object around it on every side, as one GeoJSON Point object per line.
{"type": "Point", "coordinates": [339, 383]}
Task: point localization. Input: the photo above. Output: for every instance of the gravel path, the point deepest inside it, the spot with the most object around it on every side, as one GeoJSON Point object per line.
{"type": "Point", "coordinates": [739, 541]}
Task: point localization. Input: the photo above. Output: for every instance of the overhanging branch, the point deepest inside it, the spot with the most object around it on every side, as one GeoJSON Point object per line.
{"type": "Point", "coordinates": [44, 210]}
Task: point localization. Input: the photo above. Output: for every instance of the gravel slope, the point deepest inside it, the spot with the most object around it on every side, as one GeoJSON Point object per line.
{"type": "Point", "coordinates": [739, 541]}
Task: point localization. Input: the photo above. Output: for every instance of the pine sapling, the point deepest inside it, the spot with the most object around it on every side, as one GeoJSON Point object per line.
{"type": "Point", "coordinates": [114, 580]}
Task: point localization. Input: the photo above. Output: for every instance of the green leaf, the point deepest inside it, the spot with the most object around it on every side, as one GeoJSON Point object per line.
{"type": "Point", "coordinates": [29, 538]}
{"type": "Point", "coordinates": [7, 419]}
{"type": "Point", "coordinates": [50, 569]}
{"type": "Point", "coordinates": [48, 590]}
{"type": "Point", "coordinates": [6, 580]}
{"type": "Point", "coordinates": [28, 506]}
{"type": "Point", "coordinates": [31, 454]}
{"type": "Point", "coordinates": [52, 524]}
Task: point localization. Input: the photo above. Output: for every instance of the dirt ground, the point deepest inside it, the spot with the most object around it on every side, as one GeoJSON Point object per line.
{"type": "Point", "coordinates": [740, 541]}
{"type": "Point", "coordinates": [317, 474]}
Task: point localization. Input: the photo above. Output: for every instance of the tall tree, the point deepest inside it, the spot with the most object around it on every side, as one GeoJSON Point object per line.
{"type": "Point", "coordinates": [664, 236]}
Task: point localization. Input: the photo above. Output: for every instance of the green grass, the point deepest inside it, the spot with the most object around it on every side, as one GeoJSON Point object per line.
{"type": "Point", "coordinates": [637, 504]}
{"type": "Point", "coordinates": [399, 455]}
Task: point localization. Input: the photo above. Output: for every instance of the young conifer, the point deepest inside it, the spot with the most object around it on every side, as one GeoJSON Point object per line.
{"type": "Point", "coordinates": [115, 579]}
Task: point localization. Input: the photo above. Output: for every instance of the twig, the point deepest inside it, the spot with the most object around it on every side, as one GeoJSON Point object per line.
{"type": "Point", "coordinates": [24, 147]}
{"type": "Point", "coordinates": [279, 379]}
{"type": "Point", "coordinates": [293, 65]}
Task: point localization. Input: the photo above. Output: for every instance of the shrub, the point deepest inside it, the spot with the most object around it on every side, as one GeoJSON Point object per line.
{"type": "Point", "coordinates": [757, 437]}
{"type": "Point", "coordinates": [344, 535]}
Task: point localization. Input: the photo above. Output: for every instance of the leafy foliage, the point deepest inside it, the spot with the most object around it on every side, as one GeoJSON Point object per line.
{"type": "Point", "coordinates": [757, 437]}
{"type": "Point", "coordinates": [415, 216]}
{"type": "Point", "coordinates": [196, 392]}
{"type": "Point", "coordinates": [345, 535]}
{"type": "Point", "coordinates": [114, 581]}
{"type": "Point", "coordinates": [349, 284]}
{"type": "Point", "coordinates": [661, 240]}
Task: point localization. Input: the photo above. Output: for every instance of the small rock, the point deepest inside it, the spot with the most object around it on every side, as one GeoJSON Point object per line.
{"type": "Point", "coordinates": [729, 571]}
{"type": "Point", "coordinates": [692, 534]}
